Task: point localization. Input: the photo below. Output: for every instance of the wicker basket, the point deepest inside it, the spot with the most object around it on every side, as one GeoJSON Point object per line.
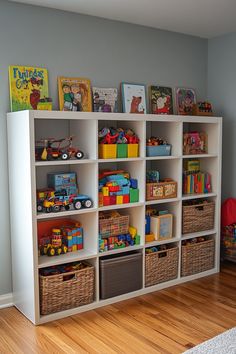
{"type": "Point", "coordinates": [114, 226]}
{"type": "Point", "coordinates": [161, 190]}
{"type": "Point", "coordinates": [197, 257]}
{"type": "Point", "coordinates": [161, 266]}
{"type": "Point", "coordinates": [67, 290]}
{"type": "Point", "coordinates": [198, 217]}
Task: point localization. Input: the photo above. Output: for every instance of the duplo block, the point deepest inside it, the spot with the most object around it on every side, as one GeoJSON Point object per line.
{"type": "Point", "coordinates": [134, 195]}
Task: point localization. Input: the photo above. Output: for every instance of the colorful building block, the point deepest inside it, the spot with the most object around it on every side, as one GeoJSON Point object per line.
{"type": "Point", "coordinates": [119, 199]}
{"type": "Point", "coordinates": [106, 201]}
{"type": "Point", "coordinates": [126, 198]}
{"type": "Point", "coordinates": [105, 191]}
{"type": "Point", "coordinates": [100, 199]}
{"type": "Point", "coordinates": [112, 199]}
{"type": "Point", "coordinates": [134, 195]}
{"type": "Point", "coordinates": [133, 183]}
{"type": "Point", "coordinates": [132, 231]}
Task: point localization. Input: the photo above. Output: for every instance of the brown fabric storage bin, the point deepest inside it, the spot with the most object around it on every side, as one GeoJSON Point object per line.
{"type": "Point", "coordinates": [67, 290]}
{"type": "Point", "coordinates": [198, 217]}
{"type": "Point", "coordinates": [120, 274]}
{"type": "Point", "coordinates": [197, 257]}
{"type": "Point", "coordinates": [161, 266]}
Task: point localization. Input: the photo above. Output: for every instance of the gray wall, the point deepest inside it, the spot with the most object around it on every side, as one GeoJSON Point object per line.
{"type": "Point", "coordinates": [222, 93]}
{"type": "Point", "coordinates": [105, 51]}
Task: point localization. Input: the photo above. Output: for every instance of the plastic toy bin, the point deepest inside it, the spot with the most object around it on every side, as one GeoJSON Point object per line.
{"type": "Point", "coordinates": [120, 274]}
{"type": "Point", "coordinates": [159, 150]}
{"type": "Point", "coordinates": [133, 150]}
{"type": "Point", "coordinates": [122, 150]}
{"type": "Point", "coordinates": [107, 151]}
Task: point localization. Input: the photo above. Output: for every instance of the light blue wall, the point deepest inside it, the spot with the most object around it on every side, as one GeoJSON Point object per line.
{"type": "Point", "coordinates": [222, 93]}
{"type": "Point", "coordinates": [105, 51]}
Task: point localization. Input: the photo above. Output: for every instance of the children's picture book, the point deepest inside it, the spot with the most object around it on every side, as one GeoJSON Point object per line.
{"type": "Point", "coordinates": [133, 98]}
{"type": "Point", "coordinates": [185, 101]}
{"type": "Point", "coordinates": [28, 88]}
{"type": "Point", "coordinates": [161, 100]}
{"type": "Point", "coordinates": [105, 99]}
{"type": "Point", "coordinates": [74, 94]}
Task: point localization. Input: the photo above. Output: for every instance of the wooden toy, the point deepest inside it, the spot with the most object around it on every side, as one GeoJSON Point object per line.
{"type": "Point", "coordinates": [161, 226]}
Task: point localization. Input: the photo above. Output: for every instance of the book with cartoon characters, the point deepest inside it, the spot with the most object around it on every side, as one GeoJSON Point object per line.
{"type": "Point", "coordinates": [28, 88]}
{"type": "Point", "coordinates": [74, 94]}
{"type": "Point", "coordinates": [161, 100]}
{"type": "Point", "coordinates": [185, 101]}
{"type": "Point", "coordinates": [133, 98]}
{"type": "Point", "coordinates": [104, 99]}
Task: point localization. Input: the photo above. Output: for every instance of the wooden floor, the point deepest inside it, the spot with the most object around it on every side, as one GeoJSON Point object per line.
{"type": "Point", "coordinates": [168, 321]}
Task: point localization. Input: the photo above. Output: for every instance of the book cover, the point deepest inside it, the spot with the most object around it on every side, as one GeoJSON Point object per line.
{"type": "Point", "coordinates": [133, 98]}
{"type": "Point", "coordinates": [185, 101]}
{"type": "Point", "coordinates": [161, 100]}
{"type": "Point", "coordinates": [74, 94]}
{"type": "Point", "coordinates": [28, 88]}
{"type": "Point", "coordinates": [105, 99]}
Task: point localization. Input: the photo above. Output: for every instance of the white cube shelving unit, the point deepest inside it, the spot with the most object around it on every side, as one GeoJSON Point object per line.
{"type": "Point", "coordinates": [26, 175]}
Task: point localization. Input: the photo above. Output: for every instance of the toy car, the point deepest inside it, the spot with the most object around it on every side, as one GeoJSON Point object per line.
{"type": "Point", "coordinates": [82, 201]}
{"type": "Point", "coordinates": [52, 149]}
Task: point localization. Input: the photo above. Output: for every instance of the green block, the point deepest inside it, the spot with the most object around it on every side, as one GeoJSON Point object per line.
{"type": "Point", "coordinates": [122, 150]}
{"type": "Point", "coordinates": [137, 240]}
{"type": "Point", "coordinates": [133, 195]}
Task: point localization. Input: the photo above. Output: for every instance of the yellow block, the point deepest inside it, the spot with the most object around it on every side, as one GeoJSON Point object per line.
{"type": "Point", "coordinates": [107, 151]}
{"type": "Point", "coordinates": [119, 199]}
{"type": "Point", "coordinates": [74, 248]}
{"type": "Point", "coordinates": [149, 238]}
{"type": "Point", "coordinates": [132, 231]}
{"type": "Point", "coordinates": [132, 150]}
{"type": "Point", "coordinates": [105, 191]}
{"type": "Point", "coordinates": [100, 199]}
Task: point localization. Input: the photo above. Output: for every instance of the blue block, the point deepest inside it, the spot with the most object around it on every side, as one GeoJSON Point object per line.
{"type": "Point", "coordinates": [125, 190]}
{"type": "Point", "coordinates": [147, 224]}
{"type": "Point", "coordinates": [133, 183]}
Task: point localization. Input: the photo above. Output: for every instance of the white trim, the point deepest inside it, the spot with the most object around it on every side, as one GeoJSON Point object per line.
{"type": "Point", "coordinates": [6, 300]}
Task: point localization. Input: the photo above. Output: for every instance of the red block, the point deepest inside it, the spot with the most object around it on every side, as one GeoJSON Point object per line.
{"type": "Point", "coordinates": [125, 198]}
{"type": "Point", "coordinates": [112, 199]}
{"type": "Point", "coordinates": [106, 201]}
{"type": "Point", "coordinates": [80, 246]}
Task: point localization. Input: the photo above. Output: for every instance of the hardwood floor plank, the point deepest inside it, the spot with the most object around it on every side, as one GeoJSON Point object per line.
{"type": "Point", "coordinates": [166, 322]}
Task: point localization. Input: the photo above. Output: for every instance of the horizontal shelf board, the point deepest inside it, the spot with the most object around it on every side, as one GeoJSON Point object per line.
{"type": "Point", "coordinates": [198, 275]}
{"type": "Point", "coordinates": [171, 157]}
{"type": "Point", "coordinates": [156, 243]}
{"type": "Point", "coordinates": [125, 159]}
{"type": "Point", "coordinates": [196, 196]}
{"type": "Point", "coordinates": [161, 201]}
{"type": "Point", "coordinates": [121, 206]}
{"type": "Point", "coordinates": [121, 250]}
{"type": "Point", "coordinates": [66, 162]}
{"type": "Point", "coordinates": [198, 234]}
{"type": "Point", "coordinates": [199, 156]}
{"type": "Point", "coordinates": [64, 213]}
{"type": "Point", "coordinates": [45, 261]}
{"type": "Point", "coordinates": [38, 114]}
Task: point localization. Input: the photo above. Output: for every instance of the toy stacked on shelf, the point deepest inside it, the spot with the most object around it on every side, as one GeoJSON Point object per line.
{"type": "Point", "coordinates": [195, 181]}
{"type": "Point", "coordinates": [117, 143]}
{"type": "Point", "coordinates": [159, 189]}
{"type": "Point", "coordinates": [194, 143]}
{"type": "Point", "coordinates": [117, 187]}
{"type": "Point", "coordinates": [62, 193]}
{"type": "Point", "coordinates": [157, 147]}
{"type": "Point", "coordinates": [158, 225]}
{"type": "Point", "coordinates": [115, 232]}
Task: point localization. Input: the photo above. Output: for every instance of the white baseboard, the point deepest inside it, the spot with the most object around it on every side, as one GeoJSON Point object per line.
{"type": "Point", "coordinates": [6, 300]}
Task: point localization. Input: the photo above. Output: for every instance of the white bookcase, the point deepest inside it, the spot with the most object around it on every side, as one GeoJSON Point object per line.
{"type": "Point", "coordinates": [26, 175]}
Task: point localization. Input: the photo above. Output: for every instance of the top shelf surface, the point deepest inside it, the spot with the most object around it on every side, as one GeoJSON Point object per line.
{"type": "Point", "coordinates": [118, 116]}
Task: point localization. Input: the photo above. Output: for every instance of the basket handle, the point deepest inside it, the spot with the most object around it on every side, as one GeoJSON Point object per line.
{"type": "Point", "coordinates": [162, 254]}
{"type": "Point", "coordinates": [200, 207]}
{"type": "Point", "coordinates": [69, 277]}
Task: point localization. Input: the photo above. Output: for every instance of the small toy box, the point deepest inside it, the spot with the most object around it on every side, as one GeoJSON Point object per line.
{"type": "Point", "coordinates": [161, 190]}
{"type": "Point", "coordinates": [158, 150]}
{"type": "Point", "coordinates": [61, 180]}
{"type": "Point", "coordinates": [107, 151]}
{"type": "Point", "coordinates": [161, 226]}
{"type": "Point", "coordinates": [198, 216]}
{"type": "Point", "coordinates": [161, 266]}
{"type": "Point", "coordinates": [120, 274]}
{"type": "Point", "coordinates": [194, 143]}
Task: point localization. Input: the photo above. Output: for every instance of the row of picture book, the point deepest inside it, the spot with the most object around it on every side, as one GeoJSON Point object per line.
{"type": "Point", "coordinates": [29, 90]}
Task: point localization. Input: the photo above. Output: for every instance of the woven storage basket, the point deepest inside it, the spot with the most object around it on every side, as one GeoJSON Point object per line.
{"type": "Point", "coordinates": [198, 217]}
{"type": "Point", "coordinates": [197, 257]}
{"type": "Point", "coordinates": [67, 290]}
{"type": "Point", "coordinates": [114, 226]}
{"type": "Point", "coordinates": [161, 266]}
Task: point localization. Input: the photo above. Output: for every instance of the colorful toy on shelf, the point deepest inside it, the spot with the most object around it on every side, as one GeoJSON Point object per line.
{"type": "Point", "coordinates": [158, 225]}
{"type": "Point", "coordinates": [116, 187]}
{"type": "Point", "coordinates": [194, 143]}
{"type": "Point", "coordinates": [67, 238]}
{"type": "Point", "coordinates": [117, 143]}
{"type": "Point", "coordinates": [61, 194]}
{"type": "Point", "coordinates": [53, 149]}
{"type": "Point", "coordinates": [159, 189]}
{"type": "Point", "coordinates": [193, 240]}
{"type": "Point", "coordinates": [195, 181]}
{"type": "Point", "coordinates": [203, 108]}
{"type": "Point", "coordinates": [157, 147]}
